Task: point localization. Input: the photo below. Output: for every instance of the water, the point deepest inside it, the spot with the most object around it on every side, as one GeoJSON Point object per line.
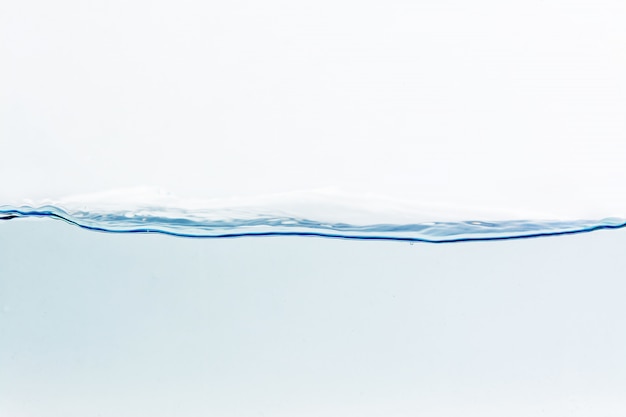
{"type": "Point", "coordinates": [306, 213]}
{"type": "Point", "coordinates": [459, 251]}
{"type": "Point", "coordinates": [111, 324]}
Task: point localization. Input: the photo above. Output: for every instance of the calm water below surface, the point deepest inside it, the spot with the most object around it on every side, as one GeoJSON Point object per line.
{"type": "Point", "coordinates": [96, 324]}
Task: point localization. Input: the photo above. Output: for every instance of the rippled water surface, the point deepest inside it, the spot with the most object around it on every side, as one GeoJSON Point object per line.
{"type": "Point", "coordinates": [236, 224]}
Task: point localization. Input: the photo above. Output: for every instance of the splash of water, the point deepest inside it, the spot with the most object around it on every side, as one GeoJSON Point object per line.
{"type": "Point", "coordinates": [296, 214]}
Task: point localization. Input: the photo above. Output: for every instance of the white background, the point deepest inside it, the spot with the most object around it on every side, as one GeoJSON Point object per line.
{"type": "Point", "coordinates": [482, 103]}
{"type": "Point", "coordinates": [513, 104]}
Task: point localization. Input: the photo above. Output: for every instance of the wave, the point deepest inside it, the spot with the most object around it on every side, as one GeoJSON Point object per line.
{"type": "Point", "coordinates": [216, 224]}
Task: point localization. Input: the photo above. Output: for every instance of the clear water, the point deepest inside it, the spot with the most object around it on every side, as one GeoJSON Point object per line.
{"type": "Point", "coordinates": [460, 251]}
{"type": "Point", "coordinates": [110, 324]}
{"type": "Point", "coordinates": [237, 223]}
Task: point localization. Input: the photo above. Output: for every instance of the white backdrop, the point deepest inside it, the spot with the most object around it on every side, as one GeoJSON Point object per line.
{"type": "Point", "coordinates": [482, 103]}
{"type": "Point", "coordinates": [520, 105]}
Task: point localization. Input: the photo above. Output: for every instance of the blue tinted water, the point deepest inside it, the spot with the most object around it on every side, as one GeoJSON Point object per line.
{"type": "Point", "coordinates": [342, 305]}
{"type": "Point", "coordinates": [189, 224]}
{"type": "Point", "coordinates": [123, 325]}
